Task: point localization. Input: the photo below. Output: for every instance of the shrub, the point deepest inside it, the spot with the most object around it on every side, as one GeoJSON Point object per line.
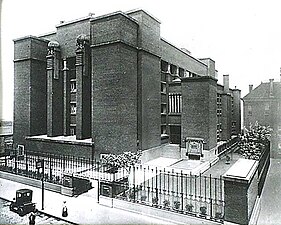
{"type": "Point", "coordinates": [203, 210]}
{"type": "Point", "coordinates": [177, 204]}
{"type": "Point", "coordinates": [189, 207]}
{"type": "Point", "coordinates": [254, 140]}
{"type": "Point", "coordinates": [155, 201]}
{"type": "Point", "coordinates": [166, 203]}
{"type": "Point", "coordinates": [143, 198]}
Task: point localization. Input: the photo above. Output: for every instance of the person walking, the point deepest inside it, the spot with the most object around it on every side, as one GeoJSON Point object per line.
{"type": "Point", "coordinates": [31, 218]}
{"type": "Point", "coordinates": [64, 210]}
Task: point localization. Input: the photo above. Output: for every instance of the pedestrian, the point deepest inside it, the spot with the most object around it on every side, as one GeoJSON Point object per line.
{"type": "Point", "coordinates": [32, 218]}
{"type": "Point", "coordinates": [64, 210]}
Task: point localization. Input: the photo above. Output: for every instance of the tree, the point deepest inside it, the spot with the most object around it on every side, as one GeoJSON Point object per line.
{"type": "Point", "coordinates": [124, 160]}
{"type": "Point", "coordinates": [253, 141]}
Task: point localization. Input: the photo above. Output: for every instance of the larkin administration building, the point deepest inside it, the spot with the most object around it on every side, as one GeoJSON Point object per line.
{"type": "Point", "coordinates": [111, 84]}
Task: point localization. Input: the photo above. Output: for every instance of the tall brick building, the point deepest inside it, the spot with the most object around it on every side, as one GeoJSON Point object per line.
{"type": "Point", "coordinates": [112, 84]}
{"type": "Point", "coordinates": [263, 104]}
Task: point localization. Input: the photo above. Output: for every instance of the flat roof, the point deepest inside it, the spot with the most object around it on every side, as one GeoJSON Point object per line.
{"type": "Point", "coordinates": [61, 139]}
{"type": "Point", "coordinates": [243, 169]}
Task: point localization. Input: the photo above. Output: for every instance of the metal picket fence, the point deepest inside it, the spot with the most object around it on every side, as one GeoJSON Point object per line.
{"type": "Point", "coordinates": [200, 196]}
{"type": "Point", "coordinates": [164, 188]}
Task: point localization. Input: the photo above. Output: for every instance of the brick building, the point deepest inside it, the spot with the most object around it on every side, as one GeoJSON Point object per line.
{"type": "Point", "coordinates": [112, 84]}
{"type": "Point", "coordinates": [263, 104]}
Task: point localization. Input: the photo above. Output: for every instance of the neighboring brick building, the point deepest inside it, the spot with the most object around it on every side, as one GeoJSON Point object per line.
{"type": "Point", "coordinates": [263, 104]}
{"type": "Point", "coordinates": [112, 84]}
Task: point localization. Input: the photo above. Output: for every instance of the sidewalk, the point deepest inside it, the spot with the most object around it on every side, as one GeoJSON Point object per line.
{"type": "Point", "coordinates": [83, 209]}
{"type": "Point", "coordinates": [271, 196]}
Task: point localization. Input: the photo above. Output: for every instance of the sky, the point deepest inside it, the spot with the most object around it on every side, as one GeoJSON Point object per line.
{"type": "Point", "coordinates": [243, 37]}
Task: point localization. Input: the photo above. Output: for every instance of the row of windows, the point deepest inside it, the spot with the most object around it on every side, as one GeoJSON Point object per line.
{"type": "Point", "coordinates": [175, 103]}
{"type": "Point", "coordinates": [173, 69]}
{"type": "Point", "coordinates": [266, 109]}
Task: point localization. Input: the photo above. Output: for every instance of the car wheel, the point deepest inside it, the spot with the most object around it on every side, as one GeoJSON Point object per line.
{"type": "Point", "coordinates": [20, 211]}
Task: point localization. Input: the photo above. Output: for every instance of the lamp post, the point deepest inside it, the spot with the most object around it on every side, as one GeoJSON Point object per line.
{"type": "Point", "coordinates": [40, 164]}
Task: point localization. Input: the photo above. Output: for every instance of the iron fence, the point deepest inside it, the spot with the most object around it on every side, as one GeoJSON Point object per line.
{"type": "Point", "coordinates": [55, 166]}
{"type": "Point", "coordinates": [195, 195]}
{"type": "Point", "coordinates": [229, 145]}
{"type": "Point", "coordinates": [164, 188]}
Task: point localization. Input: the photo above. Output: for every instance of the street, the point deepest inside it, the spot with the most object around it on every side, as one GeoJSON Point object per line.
{"type": "Point", "coordinates": [9, 217]}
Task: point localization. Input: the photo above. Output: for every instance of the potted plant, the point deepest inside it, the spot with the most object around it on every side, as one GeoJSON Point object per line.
{"type": "Point", "coordinates": [189, 208]}
{"type": "Point", "coordinates": [218, 215]}
{"type": "Point", "coordinates": [166, 204]}
{"type": "Point", "coordinates": [203, 210]}
{"type": "Point", "coordinates": [177, 205]}
{"type": "Point", "coordinates": [155, 201]}
{"type": "Point", "coordinates": [143, 198]}
{"type": "Point", "coordinates": [131, 195]}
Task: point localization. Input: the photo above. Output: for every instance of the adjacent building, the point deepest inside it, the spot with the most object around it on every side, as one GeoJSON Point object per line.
{"type": "Point", "coordinates": [110, 84]}
{"type": "Point", "coordinates": [263, 104]}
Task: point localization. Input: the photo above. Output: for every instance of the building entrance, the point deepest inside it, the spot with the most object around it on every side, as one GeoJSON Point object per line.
{"type": "Point", "coordinates": [175, 134]}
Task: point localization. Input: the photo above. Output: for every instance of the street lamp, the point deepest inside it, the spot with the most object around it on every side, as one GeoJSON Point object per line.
{"type": "Point", "coordinates": [40, 164]}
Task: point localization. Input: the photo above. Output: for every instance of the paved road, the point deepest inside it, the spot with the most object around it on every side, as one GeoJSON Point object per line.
{"type": "Point", "coordinates": [8, 217]}
{"type": "Point", "coordinates": [271, 196]}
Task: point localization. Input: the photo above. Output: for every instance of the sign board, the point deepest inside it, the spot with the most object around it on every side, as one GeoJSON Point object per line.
{"type": "Point", "coordinates": [40, 164]}
{"type": "Point", "coordinates": [194, 146]}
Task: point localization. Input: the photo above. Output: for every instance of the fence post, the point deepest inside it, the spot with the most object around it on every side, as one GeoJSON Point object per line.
{"type": "Point", "coordinates": [156, 184]}
{"type": "Point", "coordinates": [211, 200]}
{"type": "Point", "coordinates": [181, 191]}
{"type": "Point", "coordinates": [134, 181]}
{"type": "Point", "coordinates": [26, 164]}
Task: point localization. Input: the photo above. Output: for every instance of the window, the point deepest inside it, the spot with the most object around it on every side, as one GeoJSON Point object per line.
{"type": "Point", "coordinates": [163, 88]}
{"type": "Point", "coordinates": [20, 150]}
{"type": "Point", "coordinates": [163, 129]}
{"type": "Point", "coordinates": [73, 85]}
{"type": "Point", "coordinates": [164, 66]}
{"type": "Point", "coordinates": [73, 109]}
{"type": "Point", "coordinates": [175, 103]}
{"type": "Point", "coordinates": [163, 109]}
{"type": "Point", "coordinates": [72, 131]}
{"type": "Point", "coordinates": [249, 110]}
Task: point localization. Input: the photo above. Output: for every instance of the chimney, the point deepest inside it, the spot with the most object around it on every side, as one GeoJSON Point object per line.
{"type": "Point", "coordinates": [250, 88]}
{"type": "Point", "coordinates": [226, 83]}
{"type": "Point", "coordinates": [271, 87]}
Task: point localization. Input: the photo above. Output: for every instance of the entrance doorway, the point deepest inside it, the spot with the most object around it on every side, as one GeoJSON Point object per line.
{"type": "Point", "coordinates": [175, 134]}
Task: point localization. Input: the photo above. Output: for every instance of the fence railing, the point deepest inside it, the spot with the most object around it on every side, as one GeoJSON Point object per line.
{"type": "Point", "coordinates": [263, 167]}
{"type": "Point", "coordinates": [195, 195]}
{"type": "Point", "coordinates": [55, 166]}
{"type": "Point", "coordinates": [167, 189]}
{"type": "Point", "coordinates": [230, 144]}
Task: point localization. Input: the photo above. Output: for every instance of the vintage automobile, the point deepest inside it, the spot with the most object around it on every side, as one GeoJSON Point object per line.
{"type": "Point", "coordinates": [22, 204]}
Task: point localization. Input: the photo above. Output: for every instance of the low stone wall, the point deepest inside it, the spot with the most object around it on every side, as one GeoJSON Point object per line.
{"type": "Point", "coordinates": [241, 191]}
{"type": "Point", "coordinates": [35, 183]}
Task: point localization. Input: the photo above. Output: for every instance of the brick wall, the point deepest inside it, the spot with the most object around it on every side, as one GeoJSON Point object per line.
{"type": "Point", "coordinates": [150, 102]}
{"type": "Point", "coordinates": [114, 98]}
{"type": "Point", "coordinates": [55, 147]}
{"type": "Point", "coordinates": [199, 106]}
{"type": "Point", "coordinates": [149, 77]}
{"type": "Point", "coordinates": [67, 33]}
{"type": "Point", "coordinates": [54, 96]}
{"type": "Point", "coordinates": [236, 203]}
{"type": "Point", "coordinates": [226, 116]}
{"type": "Point", "coordinates": [29, 88]}
{"type": "Point", "coordinates": [173, 55]}
{"type": "Point", "coordinates": [237, 110]}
